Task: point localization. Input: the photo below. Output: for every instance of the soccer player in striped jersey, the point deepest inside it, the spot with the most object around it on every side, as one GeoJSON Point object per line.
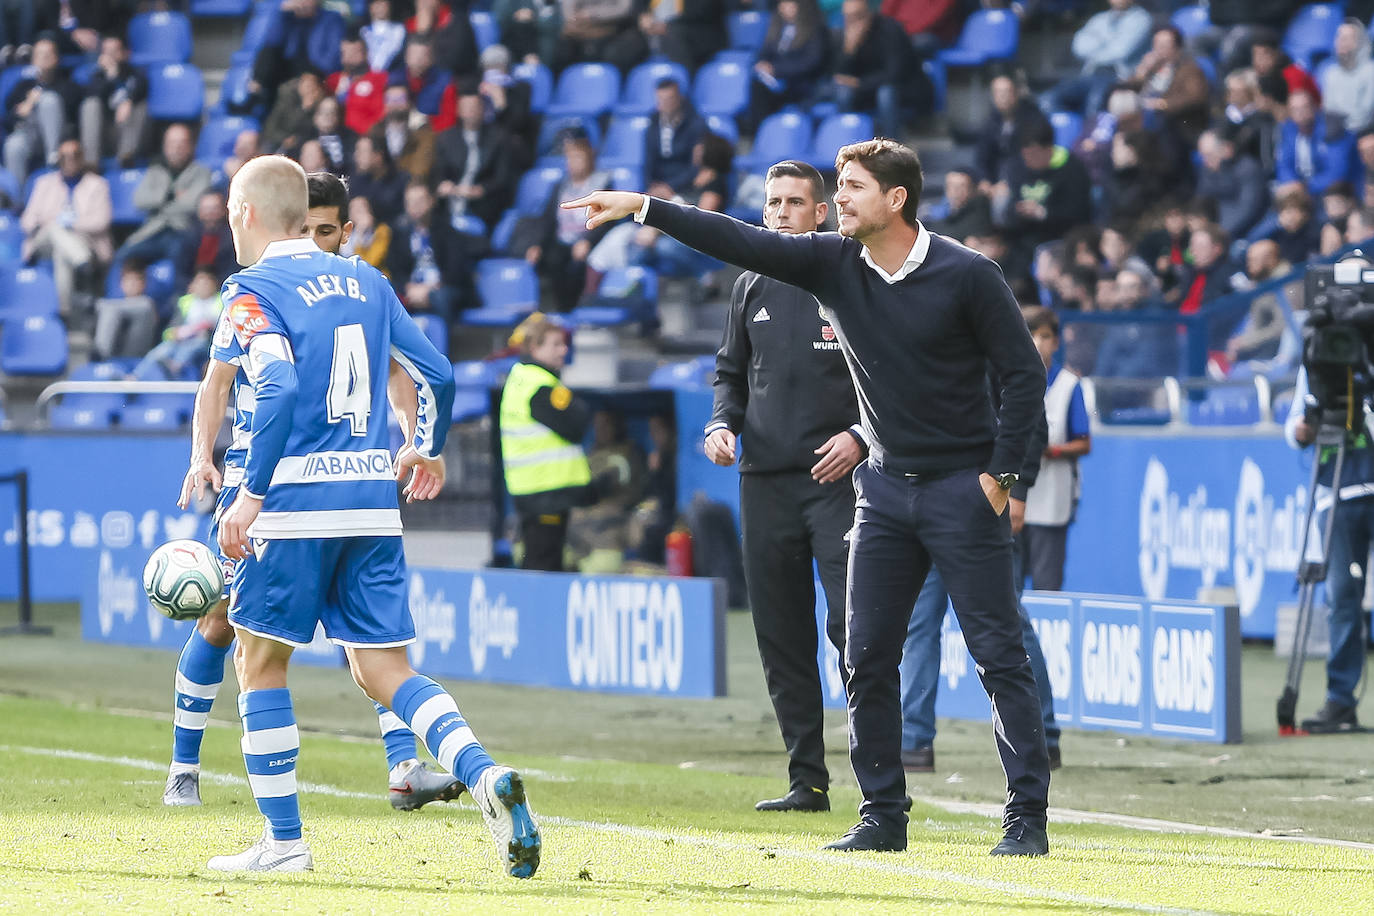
{"type": "Point", "coordinates": [200, 670]}
{"type": "Point", "coordinates": [318, 505]}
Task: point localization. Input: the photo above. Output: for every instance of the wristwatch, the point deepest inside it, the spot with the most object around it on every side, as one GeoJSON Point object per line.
{"type": "Point", "coordinates": [1006, 481]}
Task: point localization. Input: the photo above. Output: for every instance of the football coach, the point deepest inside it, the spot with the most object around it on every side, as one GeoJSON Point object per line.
{"type": "Point", "coordinates": [921, 320]}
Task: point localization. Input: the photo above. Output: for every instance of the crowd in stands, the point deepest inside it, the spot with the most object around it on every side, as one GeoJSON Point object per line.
{"type": "Point", "coordinates": [1172, 165]}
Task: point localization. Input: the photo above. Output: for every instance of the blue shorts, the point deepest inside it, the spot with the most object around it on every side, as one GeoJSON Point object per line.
{"type": "Point", "coordinates": [227, 495]}
{"type": "Point", "coordinates": [355, 586]}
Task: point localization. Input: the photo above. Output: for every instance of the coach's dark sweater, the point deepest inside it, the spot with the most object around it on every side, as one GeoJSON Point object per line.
{"type": "Point", "coordinates": [919, 349]}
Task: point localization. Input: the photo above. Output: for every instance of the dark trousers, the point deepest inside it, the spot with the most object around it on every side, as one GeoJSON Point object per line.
{"type": "Point", "coordinates": [901, 526]}
{"type": "Point", "coordinates": [789, 519]}
{"type": "Point", "coordinates": [1044, 548]}
{"type": "Point", "coordinates": [544, 535]}
{"type": "Point", "coordinates": [1351, 536]}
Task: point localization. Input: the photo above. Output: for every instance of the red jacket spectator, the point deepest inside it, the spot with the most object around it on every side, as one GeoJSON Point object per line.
{"type": "Point", "coordinates": [360, 91]}
{"type": "Point", "coordinates": [940, 17]}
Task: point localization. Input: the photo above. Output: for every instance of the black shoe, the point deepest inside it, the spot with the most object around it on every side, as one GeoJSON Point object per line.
{"type": "Point", "coordinates": [1022, 840]}
{"type": "Point", "coordinates": [1055, 760]}
{"type": "Point", "coordinates": [906, 804]}
{"type": "Point", "coordinates": [802, 799]}
{"type": "Point", "coordinates": [919, 760]}
{"type": "Point", "coordinates": [869, 836]}
{"type": "Point", "coordinates": [1332, 719]}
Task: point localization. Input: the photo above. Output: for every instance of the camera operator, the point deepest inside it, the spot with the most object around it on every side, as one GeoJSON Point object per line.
{"type": "Point", "coordinates": [1352, 534]}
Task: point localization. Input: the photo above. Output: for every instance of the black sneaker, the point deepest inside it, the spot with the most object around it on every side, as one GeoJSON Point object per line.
{"type": "Point", "coordinates": [870, 836]}
{"type": "Point", "coordinates": [1332, 719]}
{"type": "Point", "coordinates": [919, 759]}
{"type": "Point", "coordinates": [803, 799]}
{"type": "Point", "coordinates": [1021, 839]}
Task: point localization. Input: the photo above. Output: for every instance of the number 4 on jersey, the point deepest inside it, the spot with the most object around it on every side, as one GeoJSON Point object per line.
{"type": "Point", "coordinates": [350, 379]}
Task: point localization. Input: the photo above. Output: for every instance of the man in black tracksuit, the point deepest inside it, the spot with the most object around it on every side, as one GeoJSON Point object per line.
{"type": "Point", "coordinates": [781, 382]}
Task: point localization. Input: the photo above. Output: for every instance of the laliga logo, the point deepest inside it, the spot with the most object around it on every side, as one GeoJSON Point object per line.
{"type": "Point", "coordinates": [1249, 563]}
{"type": "Point", "coordinates": [434, 618]}
{"type": "Point", "coordinates": [490, 624]}
{"type": "Point", "coordinates": [1154, 523]}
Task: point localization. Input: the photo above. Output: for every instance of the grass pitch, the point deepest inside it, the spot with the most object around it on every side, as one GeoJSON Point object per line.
{"type": "Point", "coordinates": [646, 806]}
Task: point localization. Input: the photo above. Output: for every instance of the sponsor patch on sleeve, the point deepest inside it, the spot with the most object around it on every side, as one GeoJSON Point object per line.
{"type": "Point", "coordinates": [560, 397]}
{"type": "Point", "coordinates": [245, 311]}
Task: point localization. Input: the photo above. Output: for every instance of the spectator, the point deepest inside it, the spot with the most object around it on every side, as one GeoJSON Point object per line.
{"type": "Point", "coordinates": [1359, 227]}
{"type": "Point", "coordinates": [561, 242]}
{"type": "Point", "coordinates": [406, 135]}
{"type": "Point", "coordinates": [1013, 114]}
{"type": "Point", "coordinates": [292, 119]}
{"type": "Point", "coordinates": [473, 167]}
{"type": "Point", "coordinates": [674, 132]}
{"type": "Point", "coordinates": [17, 30]}
{"type": "Point", "coordinates": [1268, 59]}
{"type": "Point", "coordinates": [508, 104]}
{"type": "Point", "coordinates": [374, 176]}
{"type": "Point", "coordinates": [530, 28]}
{"type": "Point", "coordinates": [1165, 247]}
{"type": "Point", "coordinates": [1173, 85]}
{"type": "Point", "coordinates": [169, 194]}
{"type": "Point", "coordinates": [37, 110]}
{"type": "Point", "coordinates": [1313, 149]}
{"type": "Point", "coordinates": [1347, 86]}
{"type": "Point", "coordinates": [428, 85]}
{"type": "Point", "coordinates": [1263, 262]}
{"type": "Point", "coordinates": [246, 145]}
{"type": "Point", "coordinates": [598, 533]}
{"type": "Point", "coordinates": [1298, 235]}
{"type": "Point", "coordinates": [1364, 167]}
{"type": "Point", "coordinates": [1124, 112]}
{"type": "Point", "coordinates": [792, 60]}
{"type": "Point", "coordinates": [1207, 275]}
{"type": "Point", "coordinates": [1238, 24]}
{"type": "Point", "coordinates": [1136, 181]}
{"type": "Point", "coordinates": [114, 113]}
{"type": "Point", "coordinates": [1076, 288]}
{"type": "Point", "coordinates": [67, 219]}
{"type": "Point", "coordinates": [873, 66]}
{"type": "Point", "coordinates": [1338, 202]}
{"type": "Point", "coordinates": [600, 31]}
{"type": "Point", "coordinates": [1235, 181]}
{"type": "Point", "coordinates": [425, 259]}
{"type": "Point", "coordinates": [207, 243]}
{"type": "Point", "coordinates": [451, 36]}
{"type": "Point", "coordinates": [361, 91]}
{"type": "Point", "coordinates": [930, 24]}
{"type": "Point", "coordinates": [1261, 334]}
{"type": "Point", "coordinates": [1117, 254]}
{"type": "Point", "coordinates": [690, 32]}
{"type": "Point", "coordinates": [370, 239]}
{"type": "Point", "coordinates": [126, 327]}
{"type": "Point", "coordinates": [992, 244]}
{"type": "Point", "coordinates": [1043, 194]}
{"type": "Point", "coordinates": [77, 25]}
{"type": "Point", "coordinates": [1252, 127]}
{"type": "Point", "coordinates": [311, 157]}
{"type": "Point", "coordinates": [383, 35]}
{"type": "Point", "coordinates": [1109, 44]}
{"type": "Point", "coordinates": [714, 159]}
{"type": "Point", "coordinates": [1132, 349]}
{"type": "Point", "coordinates": [336, 141]}
{"type": "Point", "coordinates": [302, 37]}
{"type": "Point", "coordinates": [965, 210]}
{"type": "Point", "coordinates": [186, 341]}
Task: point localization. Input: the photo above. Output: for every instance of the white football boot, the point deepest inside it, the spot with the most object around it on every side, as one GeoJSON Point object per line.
{"type": "Point", "coordinates": [500, 795]}
{"type": "Point", "coordinates": [263, 856]}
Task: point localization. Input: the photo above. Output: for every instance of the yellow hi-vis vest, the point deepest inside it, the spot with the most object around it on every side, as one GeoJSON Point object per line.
{"type": "Point", "coordinates": [537, 459]}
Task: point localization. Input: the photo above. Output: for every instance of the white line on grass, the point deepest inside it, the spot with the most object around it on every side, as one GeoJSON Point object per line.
{"type": "Point", "coordinates": [819, 858]}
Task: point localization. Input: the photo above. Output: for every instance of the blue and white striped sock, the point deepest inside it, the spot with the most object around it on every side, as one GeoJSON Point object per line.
{"type": "Point", "coordinates": [432, 715]}
{"type": "Point", "coordinates": [271, 743]}
{"type": "Point", "coordinates": [397, 738]}
{"type": "Point", "coordinates": [200, 671]}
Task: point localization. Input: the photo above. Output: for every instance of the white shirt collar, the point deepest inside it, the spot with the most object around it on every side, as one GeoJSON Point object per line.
{"type": "Point", "coordinates": [282, 248]}
{"type": "Point", "coordinates": [914, 258]}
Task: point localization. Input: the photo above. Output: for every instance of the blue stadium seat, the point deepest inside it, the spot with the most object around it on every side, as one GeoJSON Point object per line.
{"type": "Point", "coordinates": [731, 56]}
{"type": "Point", "coordinates": [532, 195]}
{"type": "Point", "coordinates": [223, 9]}
{"type": "Point", "coordinates": [1192, 21]}
{"type": "Point", "coordinates": [1067, 127]}
{"type": "Point", "coordinates": [234, 90]}
{"type": "Point", "coordinates": [69, 417]}
{"type": "Point", "coordinates": [987, 35]}
{"type": "Point", "coordinates": [747, 30]}
{"type": "Point", "coordinates": [152, 417]}
{"type": "Point", "coordinates": [1238, 406]}
{"type": "Point", "coordinates": [89, 410]}
{"type": "Point", "coordinates": [723, 126]}
{"type": "Point", "coordinates": [626, 178]}
{"type": "Point", "coordinates": [637, 95]}
{"type": "Point", "coordinates": [469, 405]}
{"type": "Point", "coordinates": [695, 374]}
{"type": "Point", "coordinates": [217, 136]}
{"type": "Point", "coordinates": [11, 76]}
{"type": "Point", "coordinates": [123, 183]}
{"type": "Point", "coordinates": [837, 131]}
{"type": "Point", "coordinates": [9, 186]}
{"type": "Point", "coordinates": [780, 136]}
{"type": "Point", "coordinates": [1312, 32]}
{"type": "Point", "coordinates": [159, 38]}
{"type": "Point", "coordinates": [467, 224]}
{"type": "Point", "coordinates": [540, 79]}
{"type": "Point", "coordinates": [585, 89]}
{"type": "Point", "coordinates": [624, 143]}
{"type": "Point", "coordinates": [11, 239]}
{"type": "Point", "coordinates": [28, 291]}
{"type": "Point", "coordinates": [507, 283]}
{"type": "Point", "coordinates": [1208, 68]}
{"type": "Point", "coordinates": [624, 295]}
{"type": "Point", "coordinates": [1137, 416]}
{"type": "Point", "coordinates": [176, 92]}
{"type": "Point", "coordinates": [722, 88]}
{"type": "Point", "coordinates": [435, 330]}
{"type": "Point", "coordinates": [477, 374]}
{"type": "Point", "coordinates": [255, 34]}
{"type": "Point", "coordinates": [505, 228]}
{"type": "Point", "coordinates": [33, 345]}
{"type": "Point", "coordinates": [552, 128]}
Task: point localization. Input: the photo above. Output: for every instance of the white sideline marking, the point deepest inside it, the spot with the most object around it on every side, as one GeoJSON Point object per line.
{"type": "Point", "coordinates": [819, 858]}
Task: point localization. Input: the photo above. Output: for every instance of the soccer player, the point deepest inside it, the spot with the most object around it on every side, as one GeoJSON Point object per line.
{"type": "Point", "coordinates": [318, 504]}
{"type": "Point", "coordinates": [200, 670]}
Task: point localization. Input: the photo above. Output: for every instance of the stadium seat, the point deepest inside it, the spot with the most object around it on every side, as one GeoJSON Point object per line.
{"type": "Point", "coordinates": [1192, 21]}
{"type": "Point", "coordinates": [540, 79]}
{"type": "Point", "coordinates": [67, 417]}
{"type": "Point", "coordinates": [585, 89]}
{"type": "Point", "coordinates": [747, 30]}
{"type": "Point", "coordinates": [478, 374]}
{"type": "Point", "coordinates": [780, 136]}
{"type": "Point", "coordinates": [731, 56]}
{"type": "Point", "coordinates": [837, 131]}
{"type": "Point", "coordinates": [434, 329]}
{"type": "Point", "coordinates": [9, 187]}
{"type": "Point", "coordinates": [505, 228]}
{"type": "Point", "coordinates": [1312, 32]}
{"type": "Point", "coordinates": [10, 77]}
{"type": "Point", "coordinates": [11, 239]}
{"type": "Point", "coordinates": [220, 9]}
{"type": "Point", "coordinates": [723, 126]}
{"type": "Point", "coordinates": [1067, 127]}
{"type": "Point", "coordinates": [532, 194]}
{"type": "Point", "coordinates": [939, 82]}
{"type": "Point", "coordinates": [467, 224]}
{"type": "Point", "coordinates": [255, 34]}
{"type": "Point", "coordinates": [507, 283]}
{"type": "Point", "coordinates": [987, 35]}
{"type": "Point", "coordinates": [159, 38]}
{"type": "Point", "coordinates": [624, 295]}
{"type": "Point", "coordinates": [695, 374]}
{"type": "Point", "coordinates": [551, 130]}
{"type": "Point", "coordinates": [233, 91]}
{"type": "Point", "coordinates": [485, 29]}
{"type": "Point", "coordinates": [626, 178]}
{"type": "Point", "coordinates": [33, 345]}
{"type": "Point", "coordinates": [217, 136]}
{"type": "Point", "coordinates": [722, 88]}
{"type": "Point", "coordinates": [624, 143]}
{"type": "Point", "coordinates": [176, 92]}
{"type": "Point", "coordinates": [123, 183]}
{"type": "Point", "coordinates": [28, 291]}
{"type": "Point", "coordinates": [637, 96]}
{"type": "Point", "coordinates": [151, 418]}
{"type": "Point", "coordinates": [162, 281]}
{"type": "Point", "coordinates": [469, 405]}
{"type": "Point", "coordinates": [1238, 406]}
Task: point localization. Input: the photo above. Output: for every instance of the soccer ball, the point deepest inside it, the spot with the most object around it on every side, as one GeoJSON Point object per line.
{"type": "Point", "coordinates": [183, 580]}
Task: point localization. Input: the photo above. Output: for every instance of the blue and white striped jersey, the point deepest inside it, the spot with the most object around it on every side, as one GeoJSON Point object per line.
{"type": "Point", "coordinates": [318, 331]}
{"type": "Point", "coordinates": [225, 348]}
